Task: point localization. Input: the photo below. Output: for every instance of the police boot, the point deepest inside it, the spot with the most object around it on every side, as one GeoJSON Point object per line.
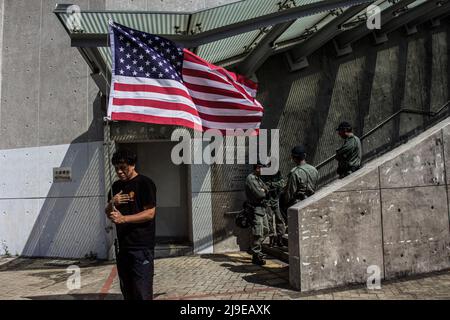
{"type": "Point", "coordinates": [258, 260]}
{"type": "Point", "coordinates": [279, 241]}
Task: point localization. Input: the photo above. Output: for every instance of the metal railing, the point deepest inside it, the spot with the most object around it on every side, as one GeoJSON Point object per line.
{"type": "Point", "coordinates": [430, 114]}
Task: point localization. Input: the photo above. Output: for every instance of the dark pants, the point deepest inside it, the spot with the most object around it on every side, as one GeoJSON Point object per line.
{"type": "Point", "coordinates": [135, 268]}
{"type": "Point", "coordinates": [344, 172]}
{"type": "Point", "coordinates": [260, 229]}
{"type": "Point", "coordinates": [275, 217]}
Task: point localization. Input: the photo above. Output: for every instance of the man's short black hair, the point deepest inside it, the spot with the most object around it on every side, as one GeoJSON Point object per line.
{"type": "Point", "coordinates": [124, 156]}
{"type": "Point", "coordinates": [344, 126]}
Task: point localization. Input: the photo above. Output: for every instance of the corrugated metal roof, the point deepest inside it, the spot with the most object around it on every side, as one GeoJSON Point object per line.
{"type": "Point", "coordinates": [227, 48]}
{"type": "Point", "coordinates": [300, 26]}
{"type": "Point", "coordinates": [97, 22]}
{"type": "Point", "coordinates": [240, 11]}
{"type": "Point", "coordinates": [210, 19]}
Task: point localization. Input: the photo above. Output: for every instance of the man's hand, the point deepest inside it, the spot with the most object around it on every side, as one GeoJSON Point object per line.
{"type": "Point", "coordinates": [121, 198]}
{"type": "Point", "coordinates": [117, 218]}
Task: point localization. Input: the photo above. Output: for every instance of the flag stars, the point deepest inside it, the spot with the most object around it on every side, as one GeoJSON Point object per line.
{"type": "Point", "coordinates": [121, 49]}
{"type": "Point", "coordinates": [141, 68]}
{"type": "Point", "coordinates": [160, 64]}
{"type": "Point", "coordinates": [134, 73]}
{"type": "Point", "coordinates": [147, 63]}
{"type": "Point", "coordinates": [128, 44]}
{"type": "Point", "coordinates": [122, 60]}
{"type": "Point", "coordinates": [128, 67]}
{"type": "Point", "coordinates": [128, 55]}
{"type": "Point", "coordinates": [141, 57]}
{"type": "Point", "coordinates": [121, 71]}
{"type": "Point", "coordinates": [154, 69]}
{"type": "Point", "coordinates": [160, 75]}
{"type": "Point", "coordinates": [134, 62]}
{"type": "Point", "coordinates": [134, 50]}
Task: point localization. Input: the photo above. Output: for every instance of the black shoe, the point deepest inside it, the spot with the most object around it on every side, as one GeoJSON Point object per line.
{"type": "Point", "coordinates": [258, 260]}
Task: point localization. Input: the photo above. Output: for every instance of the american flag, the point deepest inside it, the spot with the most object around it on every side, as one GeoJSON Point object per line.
{"type": "Point", "coordinates": [157, 81]}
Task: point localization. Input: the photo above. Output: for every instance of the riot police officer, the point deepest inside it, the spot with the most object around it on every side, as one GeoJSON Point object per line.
{"type": "Point", "coordinates": [349, 155]}
{"type": "Point", "coordinates": [256, 192]}
{"type": "Point", "coordinates": [277, 224]}
{"type": "Point", "coordinates": [302, 180]}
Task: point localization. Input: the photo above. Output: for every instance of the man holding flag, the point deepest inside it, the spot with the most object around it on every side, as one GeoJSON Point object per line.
{"type": "Point", "coordinates": [156, 81]}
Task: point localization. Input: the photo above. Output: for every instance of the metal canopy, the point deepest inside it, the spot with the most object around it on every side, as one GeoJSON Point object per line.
{"type": "Point", "coordinates": [243, 34]}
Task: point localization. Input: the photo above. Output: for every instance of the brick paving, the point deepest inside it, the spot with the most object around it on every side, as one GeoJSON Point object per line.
{"type": "Point", "coordinates": [219, 277]}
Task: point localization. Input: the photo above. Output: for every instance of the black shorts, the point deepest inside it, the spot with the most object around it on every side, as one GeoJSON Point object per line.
{"type": "Point", "coordinates": [136, 269]}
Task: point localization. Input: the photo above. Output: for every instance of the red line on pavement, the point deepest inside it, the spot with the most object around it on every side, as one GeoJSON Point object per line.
{"type": "Point", "coordinates": [215, 295]}
{"type": "Point", "coordinates": [108, 283]}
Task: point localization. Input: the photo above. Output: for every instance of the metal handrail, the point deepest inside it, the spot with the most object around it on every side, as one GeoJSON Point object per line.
{"type": "Point", "coordinates": [388, 119]}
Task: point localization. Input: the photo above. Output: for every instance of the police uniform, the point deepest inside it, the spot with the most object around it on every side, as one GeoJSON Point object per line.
{"type": "Point", "coordinates": [275, 184]}
{"type": "Point", "coordinates": [301, 184]}
{"type": "Point", "coordinates": [349, 155]}
{"type": "Point", "coordinates": [255, 191]}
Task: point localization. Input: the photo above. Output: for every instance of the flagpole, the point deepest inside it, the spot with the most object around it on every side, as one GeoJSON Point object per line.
{"type": "Point", "coordinates": [108, 143]}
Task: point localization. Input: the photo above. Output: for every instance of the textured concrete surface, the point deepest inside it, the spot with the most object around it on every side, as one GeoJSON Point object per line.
{"type": "Point", "coordinates": [337, 239]}
{"type": "Point", "coordinates": [400, 225]}
{"type": "Point", "coordinates": [415, 230]}
{"type": "Point", "coordinates": [422, 165]}
{"type": "Point", "coordinates": [212, 277]}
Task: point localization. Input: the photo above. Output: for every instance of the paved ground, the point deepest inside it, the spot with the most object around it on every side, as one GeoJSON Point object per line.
{"type": "Point", "coordinates": [225, 276]}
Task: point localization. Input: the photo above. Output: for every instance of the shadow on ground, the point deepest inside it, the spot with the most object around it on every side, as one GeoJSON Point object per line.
{"type": "Point", "coordinates": [271, 275]}
{"type": "Point", "coordinates": [33, 263]}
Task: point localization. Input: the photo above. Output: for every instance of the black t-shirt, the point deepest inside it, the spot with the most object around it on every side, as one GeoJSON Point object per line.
{"type": "Point", "coordinates": [142, 191]}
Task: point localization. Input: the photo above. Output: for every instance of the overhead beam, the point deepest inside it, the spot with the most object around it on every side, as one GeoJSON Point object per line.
{"type": "Point", "coordinates": [100, 73]}
{"type": "Point", "coordinates": [359, 32]}
{"type": "Point", "coordinates": [192, 41]}
{"type": "Point", "coordinates": [263, 50]}
{"type": "Point", "coordinates": [438, 12]}
{"type": "Point", "coordinates": [325, 34]}
{"type": "Point", "coordinates": [410, 15]}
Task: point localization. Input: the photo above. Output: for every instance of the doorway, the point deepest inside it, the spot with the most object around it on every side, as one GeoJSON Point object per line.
{"type": "Point", "coordinates": [172, 205]}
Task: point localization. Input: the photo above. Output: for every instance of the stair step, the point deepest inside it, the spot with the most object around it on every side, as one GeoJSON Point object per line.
{"type": "Point", "coordinates": [172, 250]}
{"type": "Point", "coordinates": [276, 252]}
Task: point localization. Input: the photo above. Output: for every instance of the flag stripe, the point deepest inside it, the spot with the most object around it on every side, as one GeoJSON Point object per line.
{"type": "Point", "coordinates": [150, 88]}
{"type": "Point", "coordinates": [179, 107]}
{"type": "Point", "coordinates": [225, 77]}
{"type": "Point", "coordinates": [189, 56]}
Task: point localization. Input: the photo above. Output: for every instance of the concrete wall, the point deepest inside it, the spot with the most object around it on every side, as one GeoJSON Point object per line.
{"type": "Point", "coordinates": [50, 116]}
{"type": "Point", "coordinates": [392, 214]}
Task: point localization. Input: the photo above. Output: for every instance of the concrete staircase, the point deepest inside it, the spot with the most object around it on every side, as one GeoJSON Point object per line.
{"type": "Point", "coordinates": [389, 219]}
